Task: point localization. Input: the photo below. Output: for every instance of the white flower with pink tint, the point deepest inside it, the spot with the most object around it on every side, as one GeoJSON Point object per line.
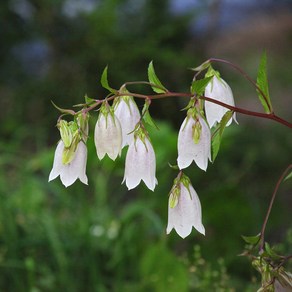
{"type": "Point", "coordinates": [184, 208]}
{"type": "Point", "coordinates": [219, 90]}
{"type": "Point", "coordinates": [108, 134]}
{"type": "Point", "coordinates": [140, 162]}
{"type": "Point", "coordinates": [71, 171]}
{"type": "Point", "coordinates": [194, 142]}
{"type": "Point", "coordinates": [128, 114]}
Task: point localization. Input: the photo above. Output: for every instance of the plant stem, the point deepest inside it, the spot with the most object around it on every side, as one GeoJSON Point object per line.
{"type": "Point", "coordinates": [246, 76]}
{"type": "Point", "coordinates": [262, 238]}
{"type": "Point", "coordinates": [270, 116]}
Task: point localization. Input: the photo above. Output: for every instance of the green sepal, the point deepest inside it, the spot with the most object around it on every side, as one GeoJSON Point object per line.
{"type": "Point", "coordinates": [89, 100]}
{"type": "Point", "coordinates": [153, 79]}
{"type": "Point", "coordinates": [67, 131]}
{"type": "Point", "coordinates": [63, 111]}
{"type": "Point", "coordinates": [198, 86]}
{"type": "Point", "coordinates": [146, 115]}
{"type": "Point", "coordinates": [174, 195]}
{"type": "Point", "coordinates": [203, 66]}
{"type": "Point", "coordinates": [217, 134]}
{"type": "Point", "coordinates": [69, 152]}
{"type": "Point", "coordinates": [175, 167]}
{"type": "Point", "coordinates": [252, 239]}
{"type": "Point", "coordinates": [197, 130]}
{"type": "Point", "coordinates": [262, 83]}
{"type": "Point", "coordinates": [270, 252]}
{"type": "Point", "coordinates": [104, 81]}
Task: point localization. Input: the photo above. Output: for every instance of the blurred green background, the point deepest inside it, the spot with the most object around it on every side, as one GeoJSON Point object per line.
{"type": "Point", "coordinates": [102, 237]}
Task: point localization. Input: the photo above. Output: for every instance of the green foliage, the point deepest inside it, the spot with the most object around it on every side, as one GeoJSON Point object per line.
{"type": "Point", "coordinates": [217, 134]}
{"type": "Point", "coordinates": [153, 79]}
{"type": "Point", "coordinates": [104, 81]}
{"type": "Point", "coordinates": [198, 86]}
{"type": "Point", "coordinates": [262, 83]}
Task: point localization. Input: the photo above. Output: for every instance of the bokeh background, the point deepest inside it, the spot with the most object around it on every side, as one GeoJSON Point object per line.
{"type": "Point", "coordinates": [102, 237]}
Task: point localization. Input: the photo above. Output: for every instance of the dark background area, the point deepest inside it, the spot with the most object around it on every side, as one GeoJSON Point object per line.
{"type": "Point", "coordinates": [102, 237]}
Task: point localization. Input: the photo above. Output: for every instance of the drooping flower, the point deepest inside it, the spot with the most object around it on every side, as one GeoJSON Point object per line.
{"type": "Point", "coordinates": [184, 208]}
{"type": "Point", "coordinates": [128, 114]}
{"type": "Point", "coordinates": [76, 168]}
{"type": "Point", "coordinates": [218, 89]}
{"type": "Point", "coordinates": [107, 134]}
{"type": "Point", "coordinates": [71, 152]}
{"type": "Point", "coordinates": [194, 142]}
{"type": "Point", "coordinates": [140, 162]}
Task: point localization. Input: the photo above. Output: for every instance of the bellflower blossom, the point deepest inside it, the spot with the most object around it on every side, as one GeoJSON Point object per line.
{"type": "Point", "coordinates": [128, 114]}
{"type": "Point", "coordinates": [194, 142]}
{"type": "Point", "coordinates": [71, 152]}
{"type": "Point", "coordinates": [140, 162]}
{"type": "Point", "coordinates": [107, 134]}
{"type": "Point", "coordinates": [75, 169]}
{"type": "Point", "coordinates": [184, 209]}
{"type": "Point", "coordinates": [218, 89]}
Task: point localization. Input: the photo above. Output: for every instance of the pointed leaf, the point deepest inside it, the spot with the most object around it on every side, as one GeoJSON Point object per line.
{"type": "Point", "coordinates": [89, 100]}
{"type": "Point", "coordinates": [198, 86]}
{"type": "Point", "coordinates": [217, 134]}
{"type": "Point", "coordinates": [153, 79]}
{"type": "Point", "coordinates": [270, 252]}
{"type": "Point", "coordinates": [202, 67]}
{"type": "Point", "coordinates": [64, 111]}
{"type": "Point", "coordinates": [251, 239]}
{"type": "Point", "coordinates": [289, 176]}
{"type": "Point", "coordinates": [104, 81]}
{"type": "Point", "coordinates": [146, 115]}
{"type": "Point", "coordinates": [262, 83]}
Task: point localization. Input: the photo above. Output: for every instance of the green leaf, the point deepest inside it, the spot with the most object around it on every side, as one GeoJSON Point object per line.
{"type": "Point", "coordinates": [216, 140]}
{"type": "Point", "coordinates": [153, 79]}
{"type": "Point", "coordinates": [64, 111]}
{"type": "Point", "coordinates": [217, 134]}
{"type": "Point", "coordinates": [270, 252]}
{"type": "Point", "coordinates": [202, 67]}
{"type": "Point", "coordinates": [198, 86]}
{"type": "Point", "coordinates": [251, 239]}
{"type": "Point", "coordinates": [104, 81]}
{"type": "Point", "coordinates": [289, 176]}
{"type": "Point", "coordinates": [89, 100]}
{"type": "Point", "coordinates": [262, 83]}
{"type": "Point", "coordinates": [146, 115]}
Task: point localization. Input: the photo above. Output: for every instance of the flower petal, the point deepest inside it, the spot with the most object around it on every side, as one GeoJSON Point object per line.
{"type": "Point", "coordinates": [186, 214]}
{"type": "Point", "coordinates": [108, 136]}
{"type": "Point", "coordinates": [128, 115]}
{"type": "Point", "coordinates": [219, 90]}
{"type": "Point", "coordinates": [57, 165]}
{"type": "Point", "coordinates": [185, 144]}
{"type": "Point", "coordinates": [140, 164]}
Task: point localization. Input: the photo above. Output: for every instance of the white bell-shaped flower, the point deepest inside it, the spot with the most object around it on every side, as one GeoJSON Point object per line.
{"type": "Point", "coordinates": [140, 163]}
{"type": "Point", "coordinates": [194, 142]}
{"type": "Point", "coordinates": [218, 89]}
{"type": "Point", "coordinates": [108, 134]}
{"type": "Point", "coordinates": [128, 114]}
{"type": "Point", "coordinates": [184, 209]}
{"type": "Point", "coordinates": [71, 171]}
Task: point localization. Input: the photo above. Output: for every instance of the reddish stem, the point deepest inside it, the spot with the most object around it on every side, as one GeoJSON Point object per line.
{"type": "Point", "coordinates": [262, 238]}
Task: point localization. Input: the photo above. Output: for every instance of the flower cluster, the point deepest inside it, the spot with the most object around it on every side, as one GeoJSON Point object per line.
{"type": "Point", "coordinates": [120, 125]}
